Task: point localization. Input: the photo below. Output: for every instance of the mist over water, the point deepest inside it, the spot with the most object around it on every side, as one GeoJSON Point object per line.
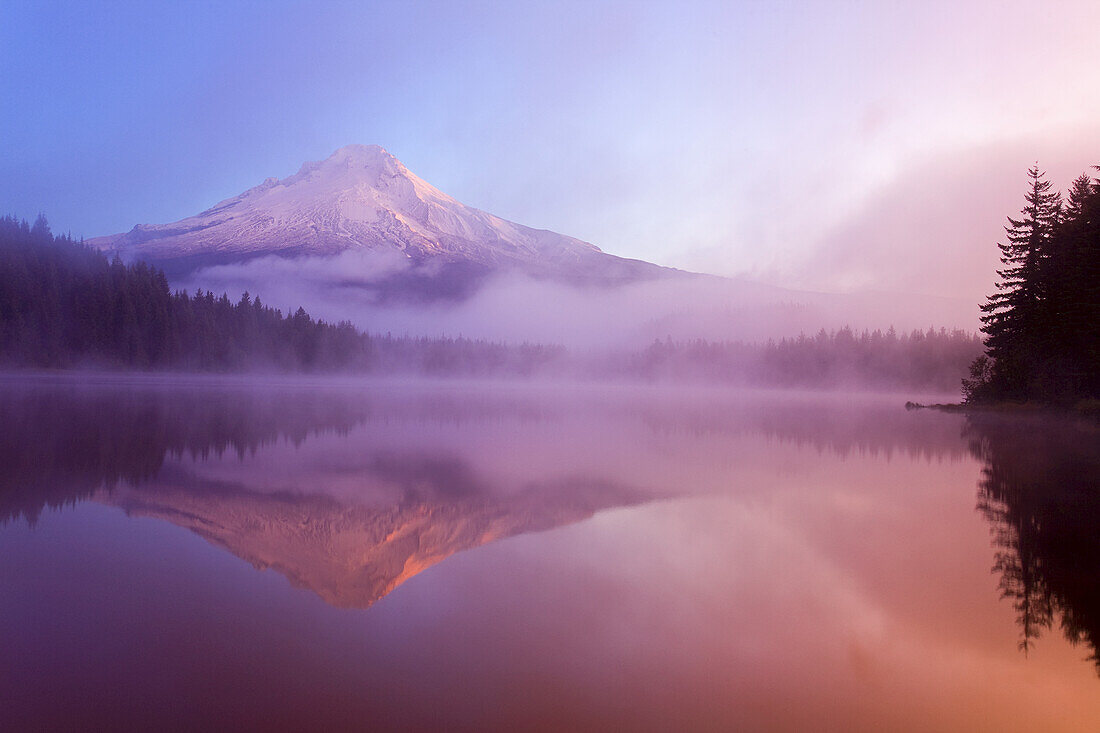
{"type": "Point", "coordinates": [293, 552]}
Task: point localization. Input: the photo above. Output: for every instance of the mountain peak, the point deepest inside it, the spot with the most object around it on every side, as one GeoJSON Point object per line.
{"type": "Point", "coordinates": [367, 156]}
{"type": "Point", "coordinates": [373, 159]}
{"type": "Point", "coordinates": [358, 151]}
{"type": "Point", "coordinates": [362, 197]}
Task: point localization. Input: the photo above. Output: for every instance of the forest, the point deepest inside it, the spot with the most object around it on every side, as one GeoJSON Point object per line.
{"type": "Point", "coordinates": [929, 360]}
{"type": "Point", "coordinates": [64, 305]}
{"type": "Point", "coordinates": [1042, 325]}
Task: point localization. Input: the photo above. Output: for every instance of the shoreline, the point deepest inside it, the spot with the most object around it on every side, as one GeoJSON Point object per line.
{"type": "Point", "coordinates": [1087, 408]}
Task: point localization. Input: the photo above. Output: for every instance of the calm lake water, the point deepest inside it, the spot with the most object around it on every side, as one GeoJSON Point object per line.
{"type": "Point", "coordinates": [338, 555]}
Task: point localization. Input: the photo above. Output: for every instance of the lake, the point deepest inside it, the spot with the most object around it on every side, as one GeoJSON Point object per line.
{"type": "Point", "coordinates": [331, 554]}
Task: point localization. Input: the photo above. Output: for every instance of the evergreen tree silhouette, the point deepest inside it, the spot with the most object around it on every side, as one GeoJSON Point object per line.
{"type": "Point", "coordinates": [1012, 316]}
{"type": "Point", "coordinates": [1043, 325]}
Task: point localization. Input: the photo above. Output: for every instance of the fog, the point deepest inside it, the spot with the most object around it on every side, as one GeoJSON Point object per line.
{"type": "Point", "coordinates": [675, 327]}
{"type": "Point", "coordinates": [515, 307]}
{"type": "Point", "coordinates": [932, 226]}
{"type": "Point", "coordinates": [250, 534]}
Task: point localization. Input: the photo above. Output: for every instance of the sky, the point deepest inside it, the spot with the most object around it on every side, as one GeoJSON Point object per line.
{"type": "Point", "coordinates": [832, 146]}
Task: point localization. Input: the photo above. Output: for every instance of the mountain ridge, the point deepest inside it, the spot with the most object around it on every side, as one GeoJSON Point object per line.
{"type": "Point", "coordinates": [363, 198]}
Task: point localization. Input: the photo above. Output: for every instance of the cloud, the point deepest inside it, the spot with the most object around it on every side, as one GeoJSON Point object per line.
{"type": "Point", "coordinates": [512, 307]}
{"type": "Point", "coordinates": [934, 229]}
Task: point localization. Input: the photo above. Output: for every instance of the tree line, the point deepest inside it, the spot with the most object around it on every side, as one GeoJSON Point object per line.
{"type": "Point", "coordinates": [64, 305]}
{"type": "Point", "coordinates": [932, 359]}
{"type": "Point", "coordinates": [1042, 324]}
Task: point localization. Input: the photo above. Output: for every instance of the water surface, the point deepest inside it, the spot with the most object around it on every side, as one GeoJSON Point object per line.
{"type": "Point", "coordinates": [341, 555]}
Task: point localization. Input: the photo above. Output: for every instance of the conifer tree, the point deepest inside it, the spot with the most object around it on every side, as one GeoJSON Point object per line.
{"type": "Point", "coordinates": [1073, 275]}
{"type": "Point", "coordinates": [1013, 316]}
{"type": "Point", "coordinates": [1043, 325]}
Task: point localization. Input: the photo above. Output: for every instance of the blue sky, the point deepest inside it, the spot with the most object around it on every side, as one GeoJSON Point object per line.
{"type": "Point", "coordinates": [761, 138]}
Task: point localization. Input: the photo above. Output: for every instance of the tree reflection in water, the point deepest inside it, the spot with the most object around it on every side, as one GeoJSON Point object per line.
{"type": "Point", "coordinates": [61, 444]}
{"type": "Point", "coordinates": [1040, 491]}
{"type": "Point", "coordinates": [410, 507]}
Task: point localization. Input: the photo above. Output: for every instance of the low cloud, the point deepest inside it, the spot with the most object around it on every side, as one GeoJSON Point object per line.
{"type": "Point", "coordinates": [514, 307]}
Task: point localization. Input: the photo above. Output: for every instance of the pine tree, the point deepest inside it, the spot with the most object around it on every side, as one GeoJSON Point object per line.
{"type": "Point", "coordinates": [1013, 317]}
{"type": "Point", "coordinates": [1074, 280]}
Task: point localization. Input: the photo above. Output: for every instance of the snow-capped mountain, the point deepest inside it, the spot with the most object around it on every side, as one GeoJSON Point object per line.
{"type": "Point", "coordinates": [363, 198]}
{"type": "Point", "coordinates": [351, 235]}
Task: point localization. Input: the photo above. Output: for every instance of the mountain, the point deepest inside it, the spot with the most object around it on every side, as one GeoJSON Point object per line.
{"type": "Point", "coordinates": [363, 198]}
{"type": "Point", "coordinates": [356, 233]}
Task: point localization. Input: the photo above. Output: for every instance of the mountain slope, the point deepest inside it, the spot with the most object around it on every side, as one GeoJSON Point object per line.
{"type": "Point", "coordinates": [363, 198]}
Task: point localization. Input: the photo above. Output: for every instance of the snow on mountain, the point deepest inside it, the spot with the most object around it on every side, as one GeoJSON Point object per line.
{"type": "Point", "coordinates": [363, 198]}
{"type": "Point", "coordinates": [357, 236]}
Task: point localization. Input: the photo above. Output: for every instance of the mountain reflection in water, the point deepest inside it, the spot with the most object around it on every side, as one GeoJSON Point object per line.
{"type": "Point", "coordinates": [719, 560]}
{"type": "Point", "coordinates": [411, 510]}
{"type": "Point", "coordinates": [352, 555]}
{"type": "Point", "coordinates": [139, 448]}
{"type": "Point", "coordinates": [143, 448]}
